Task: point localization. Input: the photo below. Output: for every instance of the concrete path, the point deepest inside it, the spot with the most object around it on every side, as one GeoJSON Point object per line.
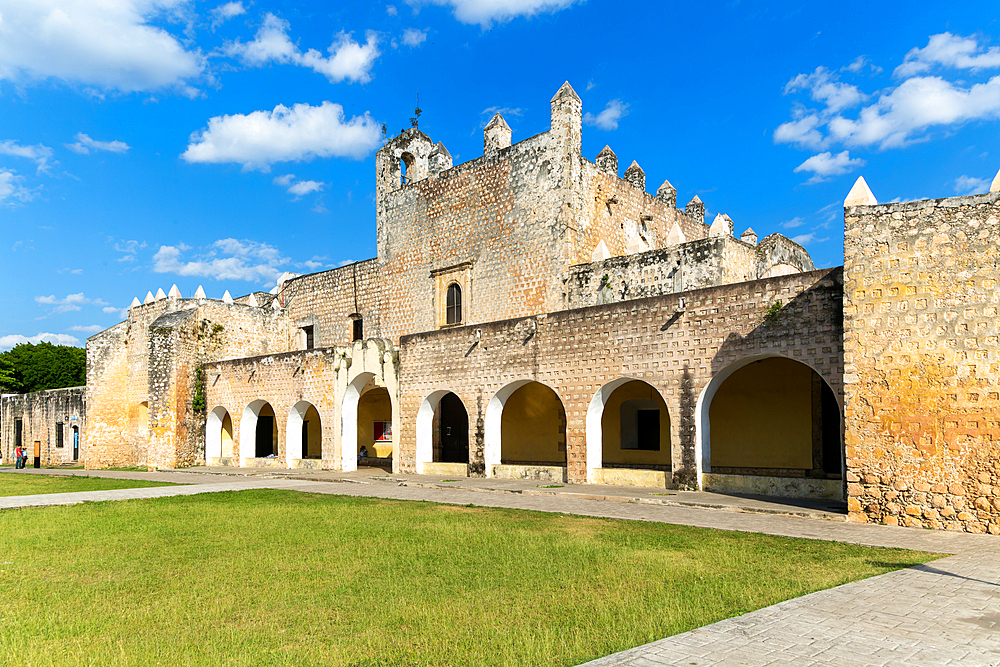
{"type": "Point", "coordinates": [943, 613]}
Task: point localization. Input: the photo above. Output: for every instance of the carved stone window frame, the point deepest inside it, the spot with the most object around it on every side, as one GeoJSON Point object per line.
{"type": "Point", "coordinates": [461, 275]}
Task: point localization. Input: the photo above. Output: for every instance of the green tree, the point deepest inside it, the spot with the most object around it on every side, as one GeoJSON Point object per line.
{"type": "Point", "coordinates": [43, 366]}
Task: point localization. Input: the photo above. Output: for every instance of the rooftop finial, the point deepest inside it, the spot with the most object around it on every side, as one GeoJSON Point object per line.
{"type": "Point", "coordinates": [860, 194]}
{"type": "Point", "coordinates": [995, 185]}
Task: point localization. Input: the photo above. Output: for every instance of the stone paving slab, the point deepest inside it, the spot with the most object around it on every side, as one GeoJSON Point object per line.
{"type": "Point", "coordinates": [942, 613]}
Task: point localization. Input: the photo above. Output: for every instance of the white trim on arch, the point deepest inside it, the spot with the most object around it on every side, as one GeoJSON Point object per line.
{"type": "Point", "coordinates": [293, 431]}
{"type": "Point", "coordinates": [425, 425]}
{"type": "Point", "coordinates": [349, 422]}
{"type": "Point", "coordinates": [248, 429]}
{"type": "Point", "coordinates": [703, 436]}
{"type": "Point", "coordinates": [595, 429]}
{"type": "Point", "coordinates": [213, 432]}
{"type": "Point", "coordinates": [493, 431]}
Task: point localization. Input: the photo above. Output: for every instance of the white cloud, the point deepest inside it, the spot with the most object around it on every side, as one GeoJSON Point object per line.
{"type": "Point", "coordinates": [390, 10]}
{"type": "Point", "coordinates": [12, 191]}
{"type": "Point", "coordinates": [898, 115]}
{"type": "Point", "coordinates": [969, 185]}
{"type": "Point", "coordinates": [304, 132]}
{"type": "Point", "coordinates": [111, 309]}
{"type": "Point", "coordinates": [793, 223]}
{"type": "Point", "coordinates": [305, 187]}
{"type": "Point", "coordinates": [70, 303]}
{"type": "Point", "coordinates": [803, 239]}
{"type": "Point", "coordinates": [826, 165]}
{"type": "Point", "coordinates": [109, 45]}
{"type": "Point", "coordinates": [84, 144]}
{"type": "Point", "coordinates": [90, 328]}
{"type": "Point", "coordinates": [7, 342]}
{"type": "Point", "coordinates": [298, 189]}
{"type": "Point", "coordinates": [348, 59]}
{"type": "Point", "coordinates": [607, 119]}
{"type": "Point", "coordinates": [223, 13]}
{"type": "Point", "coordinates": [413, 37]}
{"type": "Point", "coordinates": [226, 259]}
{"type": "Point", "coordinates": [802, 132]}
{"type": "Point", "coordinates": [824, 87]}
{"type": "Point", "coordinates": [948, 50]}
{"type": "Point", "coordinates": [39, 153]}
{"type": "Point", "coordinates": [485, 12]}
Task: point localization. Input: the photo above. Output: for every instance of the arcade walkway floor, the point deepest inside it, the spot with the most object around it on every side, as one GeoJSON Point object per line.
{"type": "Point", "coordinates": [942, 613]}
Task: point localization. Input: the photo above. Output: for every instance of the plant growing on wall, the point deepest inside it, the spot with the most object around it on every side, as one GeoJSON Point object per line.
{"type": "Point", "coordinates": [605, 282]}
{"type": "Point", "coordinates": [198, 402]}
{"type": "Point", "coordinates": [771, 316]}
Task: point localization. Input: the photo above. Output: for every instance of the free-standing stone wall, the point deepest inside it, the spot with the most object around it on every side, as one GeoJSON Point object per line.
{"type": "Point", "coordinates": [922, 363]}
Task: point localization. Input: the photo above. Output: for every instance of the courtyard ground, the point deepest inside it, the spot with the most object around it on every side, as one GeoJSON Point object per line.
{"type": "Point", "coordinates": [815, 629]}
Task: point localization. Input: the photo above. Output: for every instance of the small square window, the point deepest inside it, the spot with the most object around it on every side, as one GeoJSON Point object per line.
{"type": "Point", "coordinates": [310, 339]}
{"type": "Point", "coordinates": [382, 431]}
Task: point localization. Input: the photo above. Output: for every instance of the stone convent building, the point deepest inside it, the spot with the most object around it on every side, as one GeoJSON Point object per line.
{"type": "Point", "coordinates": [533, 313]}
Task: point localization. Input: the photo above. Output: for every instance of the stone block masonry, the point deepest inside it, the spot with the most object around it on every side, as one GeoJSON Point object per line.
{"type": "Point", "coordinates": [676, 348]}
{"type": "Point", "coordinates": [922, 363]}
{"type": "Point", "coordinates": [56, 419]}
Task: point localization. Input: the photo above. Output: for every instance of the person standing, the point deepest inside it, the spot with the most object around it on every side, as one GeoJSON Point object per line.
{"type": "Point", "coordinates": [17, 457]}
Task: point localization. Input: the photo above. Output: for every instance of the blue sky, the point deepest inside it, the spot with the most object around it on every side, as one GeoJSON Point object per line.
{"type": "Point", "coordinates": [153, 142]}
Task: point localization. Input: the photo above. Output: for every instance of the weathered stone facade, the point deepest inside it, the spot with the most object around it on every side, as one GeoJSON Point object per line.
{"type": "Point", "coordinates": [532, 314]}
{"type": "Point", "coordinates": [54, 421]}
{"type": "Point", "coordinates": [922, 363]}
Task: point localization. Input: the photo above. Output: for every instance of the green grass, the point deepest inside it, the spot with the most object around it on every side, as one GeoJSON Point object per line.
{"type": "Point", "coordinates": [282, 578]}
{"type": "Point", "coordinates": [17, 484]}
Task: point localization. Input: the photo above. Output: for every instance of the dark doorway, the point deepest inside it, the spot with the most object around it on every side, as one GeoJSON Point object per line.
{"type": "Point", "coordinates": [76, 443]}
{"type": "Point", "coordinates": [830, 414]}
{"type": "Point", "coordinates": [454, 430]}
{"type": "Point", "coordinates": [265, 436]}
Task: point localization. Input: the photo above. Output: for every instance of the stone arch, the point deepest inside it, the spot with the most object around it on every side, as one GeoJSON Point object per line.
{"type": "Point", "coordinates": [522, 448]}
{"type": "Point", "coordinates": [597, 435]}
{"type": "Point", "coordinates": [431, 440]}
{"type": "Point", "coordinates": [366, 403]}
{"type": "Point", "coordinates": [303, 433]}
{"type": "Point", "coordinates": [218, 433]}
{"type": "Point", "coordinates": [257, 415]}
{"type": "Point", "coordinates": [789, 414]}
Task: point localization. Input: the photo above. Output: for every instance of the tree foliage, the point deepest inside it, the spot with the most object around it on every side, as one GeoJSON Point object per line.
{"type": "Point", "coordinates": [30, 367]}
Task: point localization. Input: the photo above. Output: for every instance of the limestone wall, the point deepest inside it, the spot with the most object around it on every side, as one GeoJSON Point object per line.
{"type": "Point", "coordinates": [922, 363]}
{"type": "Point", "coordinates": [577, 352]}
{"type": "Point", "coordinates": [326, 301]}
{"type": "Point", "coordinates": [41, 415]}
{"type": "Point", "coordinates": [320, 377]}
{"type": "Point", "coordinates": [141, 376]}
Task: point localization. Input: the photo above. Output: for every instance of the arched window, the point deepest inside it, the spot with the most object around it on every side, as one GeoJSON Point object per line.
{"type": "Point", "coordinates": [405, 162]}
{"type": "Point", "coordinates": [454, 311]}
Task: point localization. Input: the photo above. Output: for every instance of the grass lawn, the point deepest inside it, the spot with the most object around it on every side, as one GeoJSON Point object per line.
{"type": "Point", "coordinates": [283, 578]}
{"type": "Point", "coordinates": [18, 484]}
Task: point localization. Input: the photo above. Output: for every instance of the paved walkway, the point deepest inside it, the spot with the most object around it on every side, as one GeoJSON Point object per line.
{"type": "Point", "coordinates": [944, 613]}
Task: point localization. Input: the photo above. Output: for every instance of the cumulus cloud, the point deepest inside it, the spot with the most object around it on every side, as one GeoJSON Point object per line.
{"type": "Point", "coordinates": [84, 144]}
{"type": "Point", "coordinates": [303, 132]}
{"type": "Point", "coordinates": [485, 12]}
{"type": "Point", "coordinates": [226, 259]}
{"type": "Point", "coordinates": [897, 115]}
{"type": "Point", "coordinates": [948, 50]}
{"type": "Point", "coordinates": [223, 13]}
{"type": "Point", "coordinates": [109, 45]}
{"type": "Point", "coordinates": [348, 59]}
{"type": "Point", "coordinates": [390, 10]}
{"type": "Point", "coordinates": [301, 187]}
{"type": "Point", "coordinates": [39, 153]}
{"type": "Point", "coordinates": [90, 328]}
{"type": "Point", "coordinates": [826, 165]}
{"type": "Point", "coordinates": [413, 37]}
{"type": "Point", "coordinates": [916, 105]}
{"type": "Point", "coordinates": [607, 119]}
{"type": "Point", "coordinates": [824, 87]}
{"type": "Point", "coordinates": [969, 185]}
{"type": "Point", "coordinates": [12, 190]}
{"type": "Point", "coordinates": [7, 342]}
{"type": "Point", "coordinates": [69, 303]}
